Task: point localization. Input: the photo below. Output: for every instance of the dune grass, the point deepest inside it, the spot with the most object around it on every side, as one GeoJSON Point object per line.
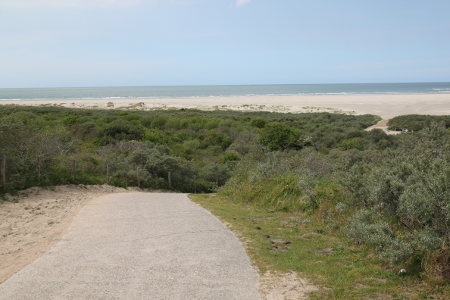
{"type": "Point", "coordinates": [342, 270]}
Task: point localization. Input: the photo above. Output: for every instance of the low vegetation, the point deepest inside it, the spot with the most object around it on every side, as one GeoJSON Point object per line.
{"type": "Point", "coordinates": [416, 122]}
{"type": "Point", "coordinates": [182, 150]}
{"type": "Point", "coordinates": [392, 195]}
{"type": "Point", "coordinates": [302, 242]}
{"type": "Point", "coordinates": [362, 194]}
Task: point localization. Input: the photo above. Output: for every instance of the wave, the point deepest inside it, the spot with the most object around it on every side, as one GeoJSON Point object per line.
{"type": "Point", "coordinates": [112, 98]}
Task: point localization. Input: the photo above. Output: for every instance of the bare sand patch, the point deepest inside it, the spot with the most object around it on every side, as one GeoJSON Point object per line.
{"type": "Point", "coordinates": [385, 105]}
{"type": "Point", "coordinates": [36, 219]}
{"type": "Point", "coordinates": [383, 125]}
{"type": "Point", "coordinates": [284, 286]}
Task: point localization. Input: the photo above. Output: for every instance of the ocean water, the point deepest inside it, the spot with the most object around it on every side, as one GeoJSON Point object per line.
{"type": "Point", "coordinates": [225, 90]}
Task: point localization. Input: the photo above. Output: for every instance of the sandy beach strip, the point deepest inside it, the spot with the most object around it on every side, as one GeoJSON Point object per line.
{"type": "Point", "coordinates": [384, 105]}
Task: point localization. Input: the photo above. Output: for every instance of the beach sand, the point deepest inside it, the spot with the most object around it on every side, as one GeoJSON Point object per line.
{"type": "Point", "coordinates": [383, 105]}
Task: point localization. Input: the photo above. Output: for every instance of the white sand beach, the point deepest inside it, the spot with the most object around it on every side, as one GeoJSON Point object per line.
{"type": "Point", "coordinates": [384, 105]}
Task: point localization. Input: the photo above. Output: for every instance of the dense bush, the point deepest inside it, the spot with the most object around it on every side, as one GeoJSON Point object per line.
{"type": "Point", "coordinates": [121, 130]}
{"type": "Point", "coordinates": [394, 198]}
{"type": "Point", "coordinates": [53, 145]}
{"type": "Point", "coordinates": [405, 200]}
{"type": "Point", "coordinates": [417, 122]}
{"type": "Point", "coordinates": [279, 136]}
{"type": "Point", "coordinates": [353, 143]}
{"type": "Point", "coordinates": [258, 122]}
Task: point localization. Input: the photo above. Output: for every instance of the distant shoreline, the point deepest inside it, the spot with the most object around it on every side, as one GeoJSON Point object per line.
{"type": "Point", "coordinates": [384, 105]}
{"type": "Point", "coordinates": [219, 96]}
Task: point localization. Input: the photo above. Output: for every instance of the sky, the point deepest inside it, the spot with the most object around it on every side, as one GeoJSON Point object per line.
{"type": "Point", "coordinates": [71, 43]}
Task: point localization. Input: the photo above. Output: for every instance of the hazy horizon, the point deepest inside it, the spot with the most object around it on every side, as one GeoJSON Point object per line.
{"type": "Point", "coordinates": [225, 85]}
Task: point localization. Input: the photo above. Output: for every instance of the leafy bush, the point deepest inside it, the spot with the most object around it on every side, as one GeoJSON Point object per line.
{"type": "Point", "coordinates": [405, 207]}
{"type": "Point", "coordinates": [231, 156]}
{"type": "Point", "coordinates": [259, 123]}
{"type": "Point", "coordinates": [417, 122]}
{"type": "Point", "coordinates": [279, 136]}
{"type": "Point", "coordinates": [122, 130]}
{"type": "Point", "coordinates": [394, 199]}
{"type": "Point", "coordinates": [353, 143]}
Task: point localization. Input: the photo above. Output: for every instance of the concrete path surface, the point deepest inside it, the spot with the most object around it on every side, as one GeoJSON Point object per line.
{"type": "Point", "coordinates": [139, 246]}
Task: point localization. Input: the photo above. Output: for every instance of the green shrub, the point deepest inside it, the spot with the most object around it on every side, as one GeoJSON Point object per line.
{"type": "Point", "coordinates": [258, 122]}
{"type": "Point", "coordinates": [122, 130]}
{"type": "Point", "coordinates": [279, 136]}
{"type": "Point", "coordinates": [231, 156]}
{"type": "Point", "coordinates": [417, 122]}
{"type": "Point", "coordinates": [215, 139]}
{"type": "Point", "coordinates": [406, 195]}
{"type": "Point", "coordinates": [156, 136]}
{"type": "Point", "coordinates": [352, 143]}
{"type": "Point", "coordinates": [159, 121]}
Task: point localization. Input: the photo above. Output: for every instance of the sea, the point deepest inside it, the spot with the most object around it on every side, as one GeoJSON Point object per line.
{"type": "Point", "coordinates": [221, 91]}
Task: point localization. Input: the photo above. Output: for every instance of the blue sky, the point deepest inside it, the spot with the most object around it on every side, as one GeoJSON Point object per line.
{"type": "Point", "coordinates": [51, 43]}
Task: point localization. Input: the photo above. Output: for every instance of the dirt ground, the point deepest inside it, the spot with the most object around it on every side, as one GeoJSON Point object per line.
{"type": "Point", "coordinates": [284, 286]}
{"type": "Point", "coordinates": [36, 219]}
{"type": "Point", "coordinates": [383, 125]}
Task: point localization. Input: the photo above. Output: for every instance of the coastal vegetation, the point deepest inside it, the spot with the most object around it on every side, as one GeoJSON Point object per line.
{"type": "Point", "coordinates": [417, 122]}
{"type": "Point", "coordinates": [180, 150]}
{"type": "Point", "coordinates": [391, 198]}
{"type": "Point", "coordinates": [379, 202]}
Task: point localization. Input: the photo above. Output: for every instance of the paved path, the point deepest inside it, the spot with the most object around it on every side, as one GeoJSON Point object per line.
{"type": "Point", "coordinates": [139, 246]}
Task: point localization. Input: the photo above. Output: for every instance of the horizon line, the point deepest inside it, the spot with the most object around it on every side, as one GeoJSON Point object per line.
{"type": "Point", "coordinates": [221, 85]}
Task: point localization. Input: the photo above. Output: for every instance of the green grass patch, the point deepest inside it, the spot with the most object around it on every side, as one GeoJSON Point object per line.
{"type": "Point", "coordinates": [316, 253]}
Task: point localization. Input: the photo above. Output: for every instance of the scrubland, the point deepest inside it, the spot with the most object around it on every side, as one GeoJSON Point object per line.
{"type": "Point", "coordinates": [363, 214]}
